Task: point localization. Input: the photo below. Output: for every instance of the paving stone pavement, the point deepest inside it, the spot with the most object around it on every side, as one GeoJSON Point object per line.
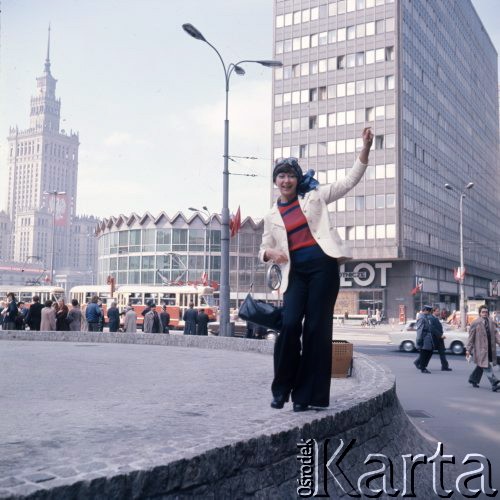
{"type": "Point", "coordinates": [74, 411]}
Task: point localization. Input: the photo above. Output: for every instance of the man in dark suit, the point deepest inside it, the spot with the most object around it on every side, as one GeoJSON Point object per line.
{"type": "Point", "coordinates": [203, 320]}
{"type": "Point", "coordinates": [190, 320]}
{"type": "Point", "coordinates": [34, 315]}
{"type": "Point", "coordinates": [437, 332]}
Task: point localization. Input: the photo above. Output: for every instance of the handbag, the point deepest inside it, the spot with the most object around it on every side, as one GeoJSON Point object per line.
{"type": "Point", "coordinates": [261, 313]}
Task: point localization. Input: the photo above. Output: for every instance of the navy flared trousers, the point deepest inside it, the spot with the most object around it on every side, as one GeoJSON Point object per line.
{"type": "Point", "coordinates": [303, 350]}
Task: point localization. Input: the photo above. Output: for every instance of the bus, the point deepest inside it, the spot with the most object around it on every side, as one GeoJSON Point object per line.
{"type": "Point", "coordinates": [176, 297]}
{"type": "Point", "coordinates": [25, 293]}
{"type": "Point", "coordinates": [84, 294]}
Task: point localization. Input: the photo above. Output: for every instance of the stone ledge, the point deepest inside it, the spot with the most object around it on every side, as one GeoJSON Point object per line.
{"type": "Point", "coordinates": [255, 465]}
{"type": "Point", "coordinates": [178, 340]}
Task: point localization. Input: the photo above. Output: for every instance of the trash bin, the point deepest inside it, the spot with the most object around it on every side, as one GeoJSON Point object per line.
{"type": "Point", "coordinates": [341, 358]}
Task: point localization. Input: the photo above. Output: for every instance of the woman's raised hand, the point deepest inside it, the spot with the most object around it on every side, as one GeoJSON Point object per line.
{"type": "Point", "coordinates": [367, 136]}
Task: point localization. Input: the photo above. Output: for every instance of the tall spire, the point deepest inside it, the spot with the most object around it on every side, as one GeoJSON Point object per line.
{"type": "Point", "coordinates": [47, 59]}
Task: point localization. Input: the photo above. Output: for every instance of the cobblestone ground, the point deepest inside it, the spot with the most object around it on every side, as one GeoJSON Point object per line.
{"type": "Point", "coordinates": [73, 411]}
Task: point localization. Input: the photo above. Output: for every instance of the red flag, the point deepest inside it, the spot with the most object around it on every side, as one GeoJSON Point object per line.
{"type": "Point", "coordinates": [46, 279]}
{"type": "Point", "coordinates": [235, 223]}
{"type": "Point", "coordinates": [459, 273]}
{"type": "Point", "coordinates": [418, 288]}
{"type": "Point", "coordinates": [59, 206]}
{"type": "Point", "coordinates": [204, 279]}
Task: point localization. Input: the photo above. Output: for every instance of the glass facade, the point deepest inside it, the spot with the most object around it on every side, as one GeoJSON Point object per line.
{"type": "Point", "coordinates": [161, 252]}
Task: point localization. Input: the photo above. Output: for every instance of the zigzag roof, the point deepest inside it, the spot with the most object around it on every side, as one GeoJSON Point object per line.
{"type": "Point", "coordinates": [129, 220]}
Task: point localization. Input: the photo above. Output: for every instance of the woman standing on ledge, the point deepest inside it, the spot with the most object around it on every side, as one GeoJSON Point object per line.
{"type": "Point", "coordinates": [298, 235]}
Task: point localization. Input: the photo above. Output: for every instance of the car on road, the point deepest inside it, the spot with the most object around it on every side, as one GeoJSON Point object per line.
{"type": "Point", "coordinates": [240, 330]}
{"type": "Point", "coordinates": [455, 340]}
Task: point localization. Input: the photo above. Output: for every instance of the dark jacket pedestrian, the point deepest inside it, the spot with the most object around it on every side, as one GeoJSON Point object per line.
{"type": "Point", "coordinates": [438, 337]}
{"type": "Point", "coordinates": [165, 320]}
{"type": "Point", "coordinates": [22, 312]}
{"type": "Point", "coordinates": [203, 320]}
{"type": "Point", "coordinates": [62, 317]}
{"type": "Point", "coordinates": [93, 314]}
{"type": "Point", "coordinates": [190, 318]}
{"type": "Point", "coordinates": [75, 317]}
{"type": "Point", "coordinates": [481, 346]}
{"type": "Point", "coordinates": [10, 313]}
{"type": "Point", "coordinates": [113, 318]}
{"type": "Point", "coordinates": [34, 316]}
{"type": "Point", "coordinates": [425, 341]}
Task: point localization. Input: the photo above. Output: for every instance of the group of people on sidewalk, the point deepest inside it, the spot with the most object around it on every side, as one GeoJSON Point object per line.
{"type": "Point", "coordinates": [50, 316]}
{"type": "Point", "coordinates": [57, 316]}
{"type": "Point", "coordinates": [195, 323]}
{"type": "Point", "coordinates": [481, 344]}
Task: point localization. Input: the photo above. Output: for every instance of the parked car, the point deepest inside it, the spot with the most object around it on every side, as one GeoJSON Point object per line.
{"type": "Point", "coordinates": [240, 330]}
{"type": "Point", "coordinates": [455, 340]}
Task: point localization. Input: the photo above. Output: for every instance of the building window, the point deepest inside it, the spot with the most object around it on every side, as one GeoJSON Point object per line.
{"type": "Point", "coordinates": [179, 239]}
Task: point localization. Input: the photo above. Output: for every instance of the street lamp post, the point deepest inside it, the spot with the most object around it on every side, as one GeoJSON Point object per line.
{"type": "Point", "coordinates": [225, 327]}
{"type": "Point", "coordinates": [205, 211]}
{"type": "Point", "coordinates": [55, 194]}
{"type": "Point", "coordinates": [463, 314]}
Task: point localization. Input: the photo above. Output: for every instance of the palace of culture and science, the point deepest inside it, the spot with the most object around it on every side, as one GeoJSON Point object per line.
{"type": "Point", "coordinates": [43, 174]}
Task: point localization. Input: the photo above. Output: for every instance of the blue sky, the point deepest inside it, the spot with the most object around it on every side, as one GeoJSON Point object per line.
{"type": "Point", "coordinates": [148, 100]}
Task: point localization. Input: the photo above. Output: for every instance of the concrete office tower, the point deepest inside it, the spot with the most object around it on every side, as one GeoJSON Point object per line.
{"type": "Point", "coordinates": [41, 159]}
{"type": "Point", "coordinates": [423, 75]}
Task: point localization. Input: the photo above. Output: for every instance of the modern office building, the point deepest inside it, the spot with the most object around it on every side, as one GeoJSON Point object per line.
{"type": "Point", "coordinates": [423, 75]}
{"type": "Point", "coordinates": [42, 191]}
{"type": "Point", "coordinates": [144, 249]}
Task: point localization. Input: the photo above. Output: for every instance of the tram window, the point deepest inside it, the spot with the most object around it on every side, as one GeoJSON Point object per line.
{"type": "Point", "coordinates": [167, 299]}
{"type": "Point", "coordinates": [104, 297]}
{"type": "Point", "coordinates": [150, 296]}
{"type": "Point", "coordinates": [135, 299]}
{"type": "Point", "coordinates": [203, 302]}
{"type": "Point", "coordinates": [25, 297]}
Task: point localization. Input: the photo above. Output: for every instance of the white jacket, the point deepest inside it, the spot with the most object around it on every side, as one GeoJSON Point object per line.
{"type": "Point", "coordinates": [314, 205]}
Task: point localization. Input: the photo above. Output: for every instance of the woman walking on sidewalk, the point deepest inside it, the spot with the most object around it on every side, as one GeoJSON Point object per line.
{"type": "Point", "coordinates": [299, 235]}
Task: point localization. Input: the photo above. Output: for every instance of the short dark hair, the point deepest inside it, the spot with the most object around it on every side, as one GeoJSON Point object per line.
{"type": "Point", "coordinates": [48, 303]}
{"type": "Point", "coordinates": [74, 302]}
{"type": "Point", "coordinates": [94, 299]}
{"type": "Point", "coordinates": [483, 307]}
{"type": "Point", "coordinates": [36, 298]}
